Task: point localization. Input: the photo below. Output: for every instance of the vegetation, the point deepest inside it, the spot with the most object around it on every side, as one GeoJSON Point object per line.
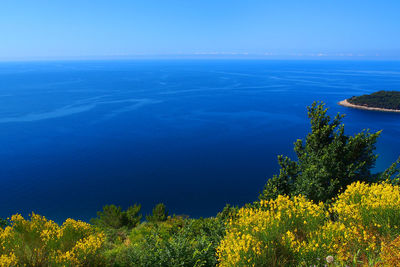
{"type": "Point", "coordinates": [113, 217]}
{"type": "Point", "coordinates": [41, 242]}
{"type": "Point", "coordinates": [173, 242]}
{"type": "Point", "coordinates": [3, 223]}
{"type": "Point", "coordinates": [327, 161]}
{"type": "Point", "coordinates": [381, 99]}
{"type": "Point", "coordinates": [159, 214]}
{"type": "Point", "coordinates": [360, 228]}
{"type": "Point", "coordinates": [324, 208]}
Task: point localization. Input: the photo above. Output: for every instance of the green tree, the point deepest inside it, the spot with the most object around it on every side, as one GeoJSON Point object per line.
{"type": "Point", "coordinates": [159, 214]}
{"type": "Point", "coordinates": [132, 216]}
{"type": "Point", "coordinates": [111, 217]}
{"type": "Point", "coordinates": [114, 217]}
{"type": "Point", "coordinates": [327, 161]}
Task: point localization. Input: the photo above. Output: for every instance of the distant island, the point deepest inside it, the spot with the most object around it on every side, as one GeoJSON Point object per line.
{"type": "Point", "coordinates": [388, 101]}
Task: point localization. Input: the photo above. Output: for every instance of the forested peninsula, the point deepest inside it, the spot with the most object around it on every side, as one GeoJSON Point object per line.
{"type": "Point", "coordinates": [388, 101]}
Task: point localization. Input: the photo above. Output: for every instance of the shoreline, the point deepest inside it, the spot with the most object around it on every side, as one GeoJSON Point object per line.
{"type": "Point", "coordinates": [347, 104]}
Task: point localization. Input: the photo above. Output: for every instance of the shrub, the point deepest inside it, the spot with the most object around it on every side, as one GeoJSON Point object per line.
{"type": "Point", "coordinates": [349, 244]}
{"type": "Point", "coordinates": [159, 214]}
{"type": "Point", "coordinates": [132, 216]}
{"type": "Point", "coordinates": [111, 217]}
{"type": "Point", "coordinates": [42, 242]}
{"type": "Point", "coordinates": [362, 228]}
{"type": "Point", "coordinates": [365, 218]}
{"type": "Point", "coordinates": [390, 253]}
{"type": "Point", "coordinates": [228, 212]}
{"type": "Point", "coordinates": [115, 218]}
{"type": "Point", "coordinates": [375, 206]}
{"type": "Point", "coordinates": [262, 236]}
{"type": "Point", "coordinates": [174, 242]}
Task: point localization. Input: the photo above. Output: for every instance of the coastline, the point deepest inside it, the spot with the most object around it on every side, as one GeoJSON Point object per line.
{"type": "Point", "coordinates": [346, 103]}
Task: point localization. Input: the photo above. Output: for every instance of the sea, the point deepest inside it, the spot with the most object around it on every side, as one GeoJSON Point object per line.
{"type": "Point", "coordinates": [192, 134]}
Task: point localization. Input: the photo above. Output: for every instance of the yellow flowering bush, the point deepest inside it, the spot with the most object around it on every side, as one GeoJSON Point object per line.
{"type": "Point", "coordinates": [390, 253]}
{"type": "Point", "coordinates": [269, 235]}
{"type": "Point", "coordinates": [347, 242]}
{"type": "Point", "coordinates": [375, 206]}
{"type": "Point", "coordinates": [362, 227]}
{"type": "Point", "coordinates": [8, 260]}
{"type": "Point", "coordinates": [42, 242]}
{"type": "Point", "coordinates": [370, 217]}
{"type": "Point", "coordinates": [84, 252]}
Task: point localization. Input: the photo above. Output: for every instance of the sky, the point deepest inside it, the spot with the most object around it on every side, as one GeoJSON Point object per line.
{"type": "Point", "coordinates": [49, 29]}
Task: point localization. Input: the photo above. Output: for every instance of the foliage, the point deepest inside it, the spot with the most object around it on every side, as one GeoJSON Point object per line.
{"type": "Point", "coordinates": [381, 99]}
{"type": "Point", "coordinates": [3, 223]}
{"type": "Point", "coordinates": [159, 214]}
{"type": "Point", "coordinates": [392, 174]}
{"type": "Point", "coordinates": [261, 236]}
{"type": "Point", "coordinates": [328, 160]}
{"type": "Point", "coordinates": [132, 216]}
{"type": "Point", "coordinates": [362, 228]}
{"type": "Point", "coordinates": [366, 217]}
{"type": "Point", "coordinates": [174, 242]}
{"type": "Point", "coordinates": [42, 242]}
{"type": "Point", "coordinates": [113, 217]}
{"type": "Point", "coordinates": [228, 212]}
{"type": "Point", "coordinates": [390, 254]}
{"type": "Point", "coordinates": [375, 206]}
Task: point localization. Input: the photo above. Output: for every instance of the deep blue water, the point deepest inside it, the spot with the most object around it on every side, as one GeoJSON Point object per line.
{"type": "Point", "coordinates": [195, 135]}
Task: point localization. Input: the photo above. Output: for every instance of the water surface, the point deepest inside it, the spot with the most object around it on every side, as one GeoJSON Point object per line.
{"type": "Point", "coordinates": [195, 135]}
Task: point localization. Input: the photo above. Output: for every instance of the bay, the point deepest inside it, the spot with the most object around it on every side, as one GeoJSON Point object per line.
{"type": "Point", "coordinates": [193, 134]}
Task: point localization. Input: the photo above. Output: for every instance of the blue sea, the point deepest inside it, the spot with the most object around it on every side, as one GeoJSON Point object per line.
{"type": "Point", "coordinates": [193, 134]}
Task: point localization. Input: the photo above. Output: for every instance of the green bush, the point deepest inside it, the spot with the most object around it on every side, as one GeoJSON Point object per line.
{"type": "Point", "coordinates": [159, 214]}
{"type": "Point", "coordinates": [113, 217]}
{"type": "Point", "coordinates": [40, 242]}
{"type": "Point", "coordinates": [173, 242]}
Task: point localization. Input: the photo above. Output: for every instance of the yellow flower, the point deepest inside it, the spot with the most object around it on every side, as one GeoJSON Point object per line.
{"type": "Point", "coordinates": [48, 243]}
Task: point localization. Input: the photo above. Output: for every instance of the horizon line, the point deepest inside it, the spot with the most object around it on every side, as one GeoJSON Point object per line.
{"type": "Point", "coordinates": [202, 57]}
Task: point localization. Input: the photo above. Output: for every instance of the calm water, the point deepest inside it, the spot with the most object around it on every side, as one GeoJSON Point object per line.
{"type": "Point", "coordinates": [195, 135]}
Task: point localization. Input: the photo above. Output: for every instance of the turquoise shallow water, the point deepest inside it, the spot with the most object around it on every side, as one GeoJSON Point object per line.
{"type": "Point", "coordinates": [192, 134]}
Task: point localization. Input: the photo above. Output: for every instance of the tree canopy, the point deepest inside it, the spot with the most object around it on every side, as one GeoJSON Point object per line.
{"type": "Point", "coordinates": [159, 214]}
{"type": "Point", "coordinates": [327, 160]}
{"type": "Point", "coordinates": [114, 217]}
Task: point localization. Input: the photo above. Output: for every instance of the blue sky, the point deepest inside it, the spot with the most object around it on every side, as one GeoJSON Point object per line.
{"type": "Point", "coordinates": [38, 29]}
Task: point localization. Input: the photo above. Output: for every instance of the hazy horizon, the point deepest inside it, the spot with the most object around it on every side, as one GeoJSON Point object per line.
{"type": "Point", "coordinates": [195, 57]}
{"type": "Point", "coordinates": [45, 30]}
